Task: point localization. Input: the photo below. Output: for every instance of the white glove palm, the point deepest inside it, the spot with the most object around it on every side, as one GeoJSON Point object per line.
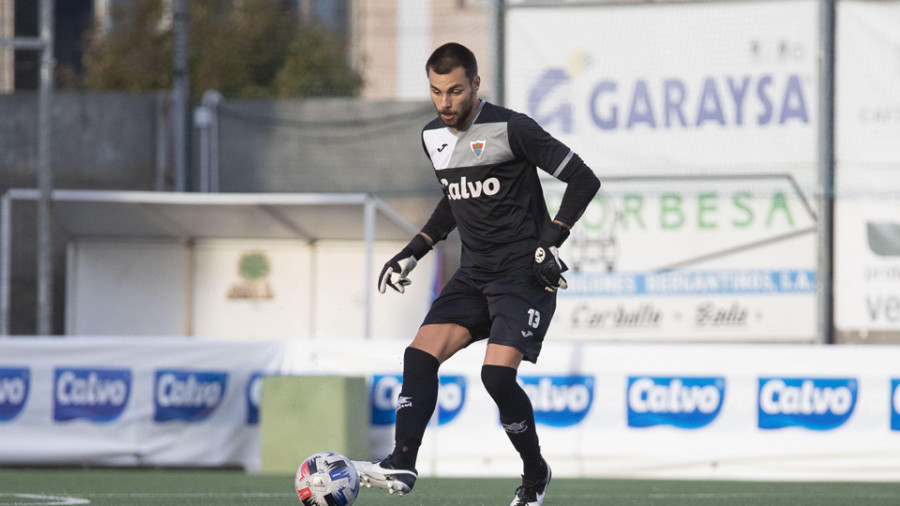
{"type": "Point", "coordinates": [395, 272]}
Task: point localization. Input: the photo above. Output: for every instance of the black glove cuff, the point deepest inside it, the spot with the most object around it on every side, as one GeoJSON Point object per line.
{"type": "Point", "coordinates": [418, 247]}
{"type": "Point", "coordinates": [554, 234]}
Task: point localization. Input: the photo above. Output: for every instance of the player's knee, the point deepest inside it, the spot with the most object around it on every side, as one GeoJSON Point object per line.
{"type": "Point", "coordinates": [441, 340]}
{"type": "Point", "coordinates": [419, 363]}
{"type": "Point", "coordinates": [498, 380]}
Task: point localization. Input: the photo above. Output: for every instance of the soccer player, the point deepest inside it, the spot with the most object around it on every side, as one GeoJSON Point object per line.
{"type": "Point", "coordinates": [485, 158]}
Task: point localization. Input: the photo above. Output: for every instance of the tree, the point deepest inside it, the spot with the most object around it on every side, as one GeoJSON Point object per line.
{"type": "Point", "coordinates": [135, 55]}
{"type": "Point", "coordinates": [242, 48]}
{"type": "Point", "coordinates": [309, 69]}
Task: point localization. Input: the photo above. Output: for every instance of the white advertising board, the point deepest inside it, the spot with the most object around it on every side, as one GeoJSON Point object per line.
{"type": "Point", "coordinates": [702, 88]}
{"type": "Point", "coordinates": [701, 259]}
{"type": "Point", "coordinates": [867, 92]}
{"type": "Point", "coordinates": [867, 213]}
{"type": "Point", "coordinates": [608, 410]}
{"type": "Point", "coordinates": [700, 121]}
{"type": "Point", "coordinates": [132, 401]}
{"type": "Point", "coordinates": [867, 256]}
{"type": "Point", "coordinates": [772, 412]}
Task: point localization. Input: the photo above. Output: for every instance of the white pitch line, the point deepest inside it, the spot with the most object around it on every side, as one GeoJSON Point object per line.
{"type": "Point", "coordinates": [53, 500]}
{"type": "Point", "coordinates": [740, 495]}
{"type": "Point", "coordinates": [195, 494]}
{"type": "Point", "coordinates": [43, 500]}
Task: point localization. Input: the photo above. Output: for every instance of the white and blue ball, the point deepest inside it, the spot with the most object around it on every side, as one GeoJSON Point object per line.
{"type": "Point", "coordinates": [327, 479]}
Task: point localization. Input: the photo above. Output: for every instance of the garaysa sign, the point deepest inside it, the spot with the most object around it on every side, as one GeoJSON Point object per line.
{"type": "Point", "coordinates": [701, 87]}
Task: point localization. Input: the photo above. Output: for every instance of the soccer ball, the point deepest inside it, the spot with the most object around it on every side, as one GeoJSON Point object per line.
{"type": "Point", "coordinates": [327, 479]}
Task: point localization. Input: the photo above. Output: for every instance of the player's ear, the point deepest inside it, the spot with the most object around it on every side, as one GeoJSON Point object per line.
{"type": "Point", "coordinates": [476, 82]}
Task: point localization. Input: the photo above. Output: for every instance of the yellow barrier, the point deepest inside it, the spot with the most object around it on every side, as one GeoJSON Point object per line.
{"type": "Point", "coordinates": [302, 415]}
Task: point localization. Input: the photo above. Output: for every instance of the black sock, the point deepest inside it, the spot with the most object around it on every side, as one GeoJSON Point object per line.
{"type": "Point", "coordinates": [516, 415]}
{"type": "Point", "coordinates": [418, 398]}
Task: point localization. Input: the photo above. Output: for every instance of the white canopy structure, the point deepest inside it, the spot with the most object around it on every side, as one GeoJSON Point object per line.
{"type": "Point", "coordinates": [187, 216]}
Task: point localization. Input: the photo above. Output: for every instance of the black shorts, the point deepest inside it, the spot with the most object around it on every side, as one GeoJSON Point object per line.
{"type": "Point", "coordinates": [512, 309]}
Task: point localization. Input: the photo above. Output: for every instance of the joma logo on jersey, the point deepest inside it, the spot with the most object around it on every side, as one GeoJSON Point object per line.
{"type": "Point", "coordinates": [469, 190]}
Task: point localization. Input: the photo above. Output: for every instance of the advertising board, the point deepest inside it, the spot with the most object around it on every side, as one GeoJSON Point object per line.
{"type": "Point", "coordinates": [701, 125]}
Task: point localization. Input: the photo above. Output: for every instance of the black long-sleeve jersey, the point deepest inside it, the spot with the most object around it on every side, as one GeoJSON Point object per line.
{"type": "Point", "coordinates": [492, 192]}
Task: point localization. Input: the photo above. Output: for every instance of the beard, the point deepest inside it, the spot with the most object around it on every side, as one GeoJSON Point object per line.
{"type": "Point", "coordinates": [459, 119]}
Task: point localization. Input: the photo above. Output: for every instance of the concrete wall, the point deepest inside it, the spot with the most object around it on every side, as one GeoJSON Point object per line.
{"type": "Point", "coordinates": [100, 140]}
{"type": "Point", "coordinates": [324, 146]}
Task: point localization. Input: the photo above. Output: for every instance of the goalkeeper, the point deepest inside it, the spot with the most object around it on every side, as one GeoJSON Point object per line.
{"type": "Point", "coordinates": [485, 158]}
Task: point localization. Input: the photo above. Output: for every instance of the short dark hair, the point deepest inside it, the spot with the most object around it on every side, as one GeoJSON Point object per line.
{"type": "Point", "coordinates": [450, 56]}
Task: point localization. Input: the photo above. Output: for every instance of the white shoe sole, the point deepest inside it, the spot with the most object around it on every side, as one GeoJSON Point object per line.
{"type": "Point", "coordinates": [540, 497]}
{"type": "Point", "coordinates": [373, 475]}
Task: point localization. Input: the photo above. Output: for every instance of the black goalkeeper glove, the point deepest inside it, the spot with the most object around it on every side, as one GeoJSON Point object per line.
{"type": "Point", "coordinates": [547, 266]}
{"type": "Point", "coordinates": [395, 271]}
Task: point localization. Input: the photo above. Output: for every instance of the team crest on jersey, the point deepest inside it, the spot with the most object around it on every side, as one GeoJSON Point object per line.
{"type": "Point", "coordinates": [477, 148]}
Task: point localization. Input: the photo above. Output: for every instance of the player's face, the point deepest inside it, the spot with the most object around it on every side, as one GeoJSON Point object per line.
{"type": "Point", "coordinates": [454, 96]}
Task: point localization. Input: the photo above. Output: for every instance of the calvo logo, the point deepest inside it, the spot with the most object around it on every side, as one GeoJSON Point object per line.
{"type": "Point", "coordinates": [253, 395]}
{"type": "Point", "coordinates": [187, 395]}
{"type": "Point", "coordinates": [95, 394]}
{"type": "Point", "coordinates": [683, 402]}
{"type": "Point", "coordinates": [465, 189]}
{"type": "Point", "coordinates": [14, 385]}
{"type": "Point", "coordinates": [811, 403]}
{"type": "Point", "coordinates": [559, 401]}
{"type": "Point", "coordinates": [895, 403]}
{"type": "Point", "coordinates": [385, 394]}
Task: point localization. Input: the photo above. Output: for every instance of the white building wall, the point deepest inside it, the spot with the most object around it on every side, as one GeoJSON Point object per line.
{"type": "Point", "coordinates": [392, 39]}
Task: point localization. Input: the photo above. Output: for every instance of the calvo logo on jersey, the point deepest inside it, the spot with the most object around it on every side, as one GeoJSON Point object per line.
{"type": "Point", "coordinates": [468, 190]}
{"type": "Point", "coordinates": [14, 385]}
{"type": "Point", "coordinates": [98, 395]}
{"type": "Point", "coordinates": [384, 397]}
{"type": "Point", "coordinates": [559, 401]}
{"type": "Point", "coordinates": [684, 402]}
{"type": "Point", "coordinates": [812, 403]}
{"type": "Point", "coordinates": [187, 395]}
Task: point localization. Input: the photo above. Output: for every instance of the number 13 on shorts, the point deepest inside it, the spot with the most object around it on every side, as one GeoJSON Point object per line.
{"type": "Point", "coordinates": [534, 318]}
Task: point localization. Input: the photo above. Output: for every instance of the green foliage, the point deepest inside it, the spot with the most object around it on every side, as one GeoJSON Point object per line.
{"type": "Point", "coordinates": [135, 56]}
{"type": "Point", "coordinates": [242, 48]}
{"type": "Point", "coordinates": [309, 68]}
